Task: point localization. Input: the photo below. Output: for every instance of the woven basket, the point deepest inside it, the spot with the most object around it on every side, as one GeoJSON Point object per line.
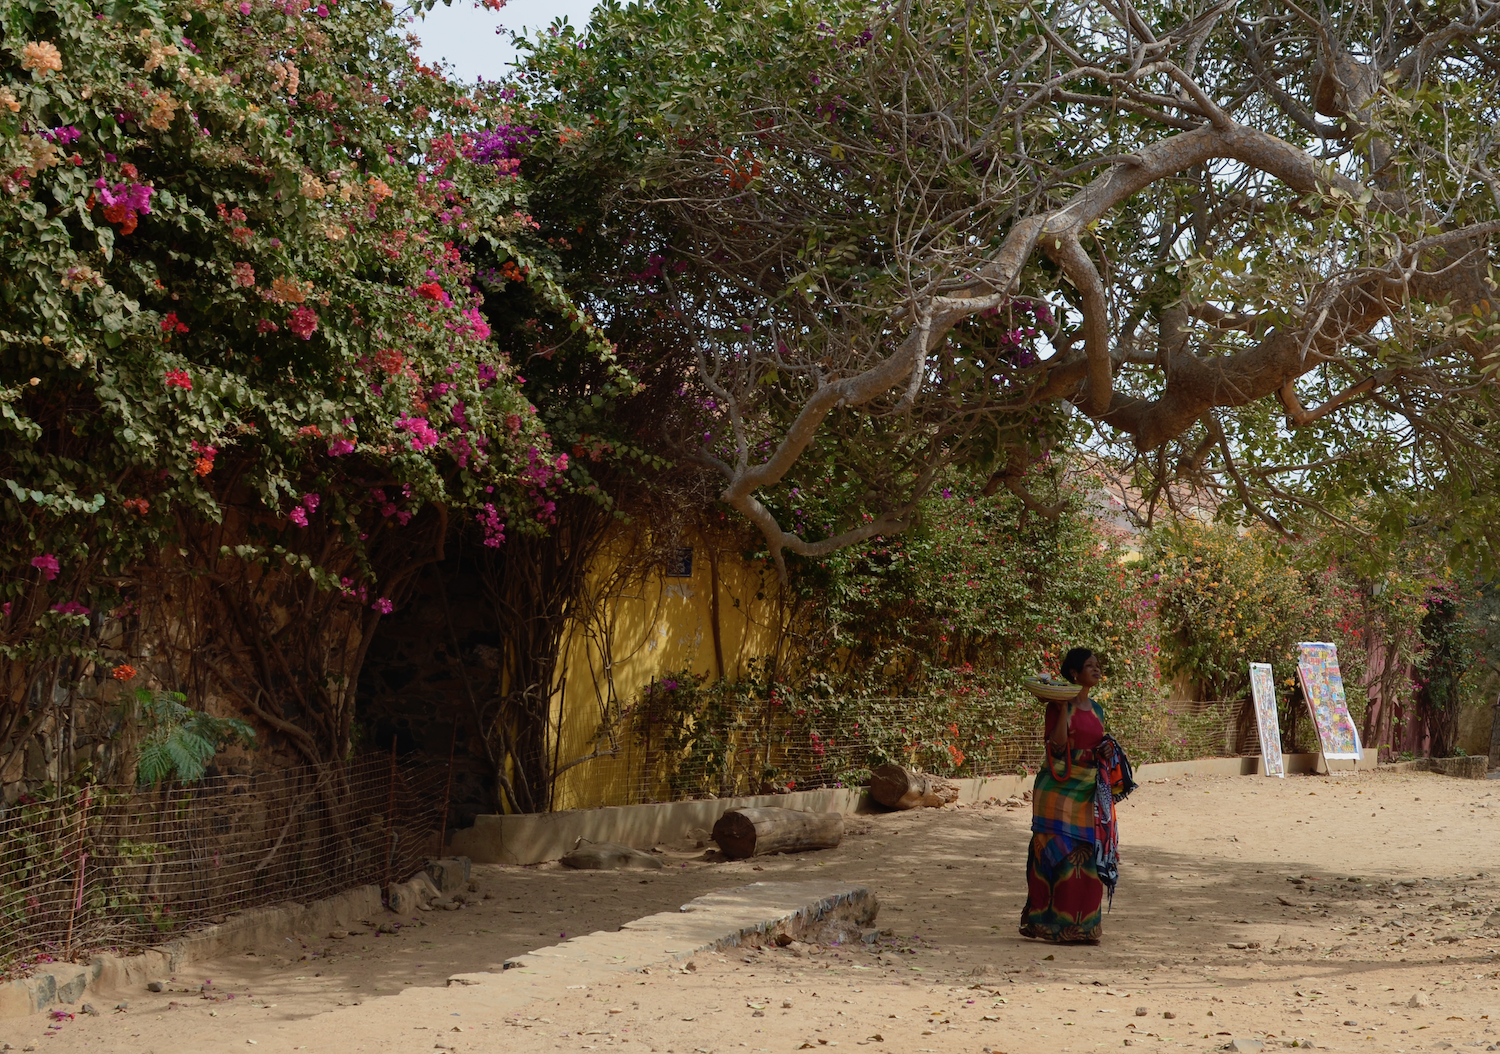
{"type": "Point", "coordinates": [1050, 689]}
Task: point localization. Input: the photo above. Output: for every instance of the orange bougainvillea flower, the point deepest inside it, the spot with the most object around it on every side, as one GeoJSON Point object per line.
{"type": "Point", "coordinates": [123, 672]}
{"type": "Point", "coordinates": [41, 56]}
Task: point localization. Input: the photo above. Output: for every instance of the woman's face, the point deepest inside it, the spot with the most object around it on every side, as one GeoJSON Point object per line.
{"type": "Point", "coordinates": [1091, 673]}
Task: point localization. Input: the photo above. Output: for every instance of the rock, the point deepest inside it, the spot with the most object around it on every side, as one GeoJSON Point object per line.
{"type": "Point", "coordinates": [155, 986]}
{"type": "Point", "coordinates": [387, 927]}
{"type": "Point", "coordinates": [1418, 1000]}
{"type": "Point", "coordinates": [1493, 922]}
{"type": "Point", "coordinates": [607, 856]}
{"type": "Point", "coordinates": [1239, 946]}
{"type": "Point", "coordinates": [1141, 1011]}
{"type": "Point", "coordinates": [1244, 1046]}
{"type": "Point", "coordinates": [123, 1005]}
{"type": "Point", "coordinates": [1168, 1015]}
{"type": "Point", "coordinates": [337, 935]}
{"type": "Point", "coordinates": [88, 1008]}
{"type": "Point", "coordinates": [442, 904]}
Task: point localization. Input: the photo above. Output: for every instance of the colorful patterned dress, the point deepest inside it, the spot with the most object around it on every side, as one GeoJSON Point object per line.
{"type": "Point", "coordinates": [1064, 890]}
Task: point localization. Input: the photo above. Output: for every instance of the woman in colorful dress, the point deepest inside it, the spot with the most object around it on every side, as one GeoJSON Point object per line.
{"type": "Point", "coordinates": [1073, 859]}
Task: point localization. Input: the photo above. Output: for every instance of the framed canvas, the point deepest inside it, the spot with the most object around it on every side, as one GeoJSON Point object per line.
{"type": "Point", "coordinates": [1263, 693]}
{"type": "Point", "coordinates": [1323, 687]}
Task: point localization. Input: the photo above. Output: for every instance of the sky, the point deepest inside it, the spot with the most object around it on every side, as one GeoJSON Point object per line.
{"type": "Point", "coordinates": [464, 36]}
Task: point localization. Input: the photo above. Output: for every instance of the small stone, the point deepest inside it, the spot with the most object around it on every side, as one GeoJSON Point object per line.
{"type": "Point", "coordinates": [1244, 1046]}
{"type": "Point", "coordinates": [1239, 946]}
{"type": "Point", "coordinates": [1141, 1011]}
{"type": "Point", "coordinates": [1418, 1000]}
{"type": "Point", "coordinates": [122, 1005]}
{"type": "Point", "coordinates": [758, 1013]}
{"type": "Point", "coordinates": [155, 986]}
{"type": "Point", "coordinates": [387, 927]}
{"type": "Point", "coordinates": [88, 1008]}
{"type": "Point", "coordinates": [337, 935]}
{"type": "Point", "coordinates": [1168, 1015]}
{"type": "Point", "coordinates": [1351, 1023]}
{"type": "Point", "coordinates": [786, 1004]}
{"type": "Point", "coordinates": [473, 887]}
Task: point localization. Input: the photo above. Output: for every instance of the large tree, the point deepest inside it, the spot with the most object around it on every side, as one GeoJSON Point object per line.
{"type": "Point", "coordinates": [1247, 244]}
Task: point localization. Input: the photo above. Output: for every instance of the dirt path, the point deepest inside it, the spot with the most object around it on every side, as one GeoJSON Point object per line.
{"type": "Point", "coordinates": [1391, 895]}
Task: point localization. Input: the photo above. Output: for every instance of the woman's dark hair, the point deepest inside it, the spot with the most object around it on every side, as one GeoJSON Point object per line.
{"type": "Point", "coordinates": [1073, 662]}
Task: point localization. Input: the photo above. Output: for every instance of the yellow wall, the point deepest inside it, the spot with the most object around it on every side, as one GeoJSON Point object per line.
{"type": "Point", "coordinates": [657, 626]}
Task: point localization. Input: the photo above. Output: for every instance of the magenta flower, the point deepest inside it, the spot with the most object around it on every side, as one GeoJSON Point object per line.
{"type": "Point", "coordinates": [303, 321]}
{"type": "Point", "coordinates": [310, 501]}
{"type": "Point", "coordinates": [384, 606]}
{"type": "Point", "coordinates": [70, 607]}
{"type": "Point", "coordinates": [340, 446]}
{"type": "Point", "coordinates": [46, 564]}
{"type": "Point", "coordinates": [298, 515]}
{"type": "Point", "coordinates": [420, 430]}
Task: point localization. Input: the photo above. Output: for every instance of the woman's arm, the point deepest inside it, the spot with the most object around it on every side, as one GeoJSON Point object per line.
{"type": "Point", "coordinates": [1057, 733]}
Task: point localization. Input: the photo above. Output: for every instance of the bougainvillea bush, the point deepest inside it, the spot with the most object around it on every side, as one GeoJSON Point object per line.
{"type": "Point", "coordinates": [242, 339]}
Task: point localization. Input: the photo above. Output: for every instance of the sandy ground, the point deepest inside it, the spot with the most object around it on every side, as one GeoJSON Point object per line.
{"type": "Point", "coordinates": [1342, 912]}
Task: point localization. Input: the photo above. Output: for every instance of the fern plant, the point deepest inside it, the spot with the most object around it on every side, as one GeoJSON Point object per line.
{"type": "Point", "coordinates": [178, 742]}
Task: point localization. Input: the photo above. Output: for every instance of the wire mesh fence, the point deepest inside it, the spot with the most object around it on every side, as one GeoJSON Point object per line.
{"type": "Point", "coordinates": [110, 869]}
{"type": "Point", "coordinates": [723, 745]}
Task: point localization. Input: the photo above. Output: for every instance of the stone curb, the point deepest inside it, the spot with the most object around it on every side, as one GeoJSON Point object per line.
{"type": "Point", "coordinates": [756, 913]}
{"type": "Point", "coordinates": [104, 974]}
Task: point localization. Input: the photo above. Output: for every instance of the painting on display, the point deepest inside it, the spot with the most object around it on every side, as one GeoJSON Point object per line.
{"type": "Point", "coordinates": [1323, 686]}
{"type": "Point", "coordinates": [1263, 692]}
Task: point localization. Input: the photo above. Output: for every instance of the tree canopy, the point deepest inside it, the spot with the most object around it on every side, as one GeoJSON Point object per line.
{"type": "Point", "coordinates": [1247, 247]}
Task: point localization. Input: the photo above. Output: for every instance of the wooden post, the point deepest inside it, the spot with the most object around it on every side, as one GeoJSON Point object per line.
{"type": "Point", "coordinates": [447, 787]}
{"type": "Point", "coordinates": [83, 828]}
{"type": "Point", "coordinates": [390, 816]}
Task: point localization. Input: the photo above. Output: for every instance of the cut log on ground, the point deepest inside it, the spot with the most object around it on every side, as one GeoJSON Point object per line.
{"type": "Point", "coordinates": [900, 788]}
{"type": "Point", "coordinates": [741, 833]}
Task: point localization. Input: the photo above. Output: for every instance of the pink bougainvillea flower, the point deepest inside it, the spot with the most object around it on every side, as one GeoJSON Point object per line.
{"type": "Point", "coordinates": [494, 529]}
{"type": "Point", "coordinates": [179, 379]}
{"type": "Point", "coordinates": [310, 501]}
{"type": "Point", "coordinates": [340, 446]}
{"type": "Point", "coordinates": [420, 430]}
{"type": "Point", "coordinates": [303, 321]}
{"type": "Point", "coordinates": [70, 607]}
{"type": "Point", "coordinates": [384, 606]}
{"type": "Point", "coordinates": [298, 515]}
{"type": "Point", "coordinates": [46, 564]}
{"type": "Point", "coordinates": [244, 275]}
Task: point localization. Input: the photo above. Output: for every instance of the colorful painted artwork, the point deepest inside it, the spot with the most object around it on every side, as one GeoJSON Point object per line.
{"type": "Point", "coordinates": [1323, 687]}
{"type": "Point", "coordinates": [1263, 692]}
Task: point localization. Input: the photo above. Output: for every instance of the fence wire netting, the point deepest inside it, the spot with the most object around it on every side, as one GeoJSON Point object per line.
{"type": "Point", "coordinates": [727, 746]}
{"type": "Point", "coordinates": [102, 869]}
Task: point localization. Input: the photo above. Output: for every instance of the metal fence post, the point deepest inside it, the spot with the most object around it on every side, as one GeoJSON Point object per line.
{"type": "Point", "coordinates": [73, 908]}
{"type": "Point", "coordinates": [390, 817]}
{"type": "Point", "coordinates": [447, 787]}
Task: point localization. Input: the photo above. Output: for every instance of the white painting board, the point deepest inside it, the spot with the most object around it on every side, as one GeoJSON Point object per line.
{"type": "Point", "coordinates": [1263, 693]}
{"type": "Point", "coordinates": [1323, 687]}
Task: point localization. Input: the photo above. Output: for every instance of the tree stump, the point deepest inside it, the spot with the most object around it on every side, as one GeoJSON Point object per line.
{"type": "Point", "coordinates": [899, 788]}
{"type": "Point", "coordinates": [742, 833]}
